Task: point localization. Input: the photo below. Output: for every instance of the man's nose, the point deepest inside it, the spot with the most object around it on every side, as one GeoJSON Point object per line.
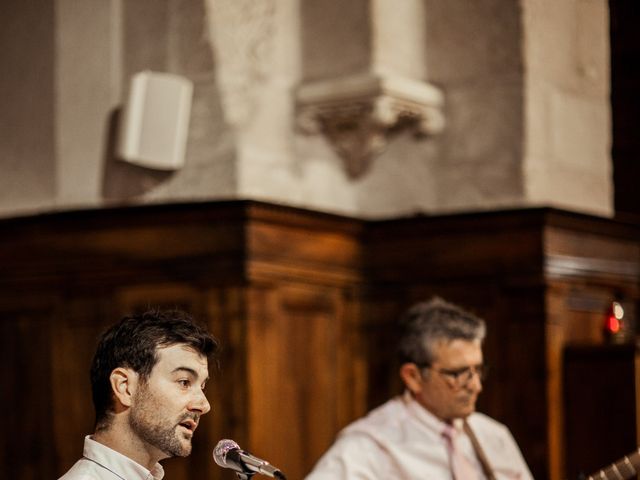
{"type": "Point", "coordinates": [200, 403]}
{"type": "Point", "coordinates": [475, 382]}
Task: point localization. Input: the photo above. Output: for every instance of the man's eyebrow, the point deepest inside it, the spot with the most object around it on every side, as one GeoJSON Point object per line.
{"type": "Point", "coordinates": [188, 370]}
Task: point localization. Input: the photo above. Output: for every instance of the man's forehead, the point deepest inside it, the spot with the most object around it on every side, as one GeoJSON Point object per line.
{"type": "Point", "coordinates": [182, 355]}
{"type": "Point", "coordinates": [457, 349]}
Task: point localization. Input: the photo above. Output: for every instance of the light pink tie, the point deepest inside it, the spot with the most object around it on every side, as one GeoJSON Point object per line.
{"type": "Point", "coordinates": [460, 466]}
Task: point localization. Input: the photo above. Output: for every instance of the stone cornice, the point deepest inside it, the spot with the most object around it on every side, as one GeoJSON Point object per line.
{"type": "Point", "coordinates": [358, 113]}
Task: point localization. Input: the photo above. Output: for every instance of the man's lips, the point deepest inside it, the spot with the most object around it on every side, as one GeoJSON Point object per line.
{"type": "Point", "coordinates": [189, 424]}
{"type": "Point", "coordinates": [468, 400]}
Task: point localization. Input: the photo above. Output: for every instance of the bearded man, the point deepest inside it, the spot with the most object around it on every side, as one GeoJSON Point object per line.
{"type": "Point", "coordinates": [148, 377]}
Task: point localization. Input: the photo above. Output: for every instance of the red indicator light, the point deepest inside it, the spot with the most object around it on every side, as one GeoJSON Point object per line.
{"type": "Point", "coordinates": [613, 324]}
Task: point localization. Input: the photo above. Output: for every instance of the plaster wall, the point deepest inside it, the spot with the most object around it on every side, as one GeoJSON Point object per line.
{"type": "Point", "coordinates": [171, 36]}
{"type": "Point", "coordinates": [474, 54]}
{"type": "Point", "coordinates": [27, 131]}
{"type": "Point", "coordinates": [567, 158]}
{"type": "Point", "coordinates": [525, 87]}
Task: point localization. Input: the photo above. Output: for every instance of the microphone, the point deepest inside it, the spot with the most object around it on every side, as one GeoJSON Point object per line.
{"type": "Point", "coordinates": [228, 454]}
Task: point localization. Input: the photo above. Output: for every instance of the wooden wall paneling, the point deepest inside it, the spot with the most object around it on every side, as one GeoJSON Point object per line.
{"type": "Point", "coordinates": [130, 246]}
{"type": "Point", "coordinates": [139, 297]}
{"type": "Point", "coordinates": [522, 369]}
{"type": "Point", "coordinates": [304, 304]}
{"type": "Point", "coordinates": [637, 390]}
{"type": "Point", "coordinates": [76, 325]}
{"type": "Point", "coordinates": [601, 400]}
{"type": "Point", "coordinates": [222, 310]}
{"type": "Point", "coordinates": [576, 308]}
{"type": "Point", "coordinates": [228, 390]}
{"type": "Point", "coordinates": [303, 271]}
{"type": "Point", "coordinates": [380, 309]}
{"type": "Point", "coordinates": [294, 336]}
{"type": "Point", "coordinates": [454, 246]}
{"type": "Point", "coordinates": [589, 262]}
{"type": "Point", "coordinates": [555, 340]}
{"type": "Point", "coordinates": [303, 246]}
{"type": "Point", "coordinates": [172, 256]}
{"type": "Point", "coordinates": [352, 359]}
{"type": "Point", "coordinates": [96, 266]}
{"type": "Point", "coordinates": [26, 394]}
{"type": "Point", "coordinates": [505, 265]}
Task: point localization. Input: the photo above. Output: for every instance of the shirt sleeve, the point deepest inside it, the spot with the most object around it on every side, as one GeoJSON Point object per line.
{"type": "Point", "coordinates": [355, 456]}
{"type": "Point", "coordinates": [504, 454]}
{"type": "Point", "coordinates": [516, 464]}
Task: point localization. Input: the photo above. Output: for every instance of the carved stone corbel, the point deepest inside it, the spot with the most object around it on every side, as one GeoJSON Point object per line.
{"type": "Point", "coordinates": [358, 114]}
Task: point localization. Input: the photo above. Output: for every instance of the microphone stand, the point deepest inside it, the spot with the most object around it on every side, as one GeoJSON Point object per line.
{"type": "Point", "coordinates": [245, 476]}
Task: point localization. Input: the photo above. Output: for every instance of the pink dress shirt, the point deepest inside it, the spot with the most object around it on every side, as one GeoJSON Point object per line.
{"type": "Point", "coordinates": [401, 440]}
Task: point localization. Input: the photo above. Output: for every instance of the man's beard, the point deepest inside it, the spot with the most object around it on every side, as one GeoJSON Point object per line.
{"type": "Point", "coordinates": [146, 423]}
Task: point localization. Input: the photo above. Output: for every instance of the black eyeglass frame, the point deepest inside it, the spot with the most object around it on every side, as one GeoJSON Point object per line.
{"type": "Point", "coordinates": [482, 370]}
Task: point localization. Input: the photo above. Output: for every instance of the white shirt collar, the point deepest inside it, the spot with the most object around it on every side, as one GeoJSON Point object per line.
{"type": "Point", "coordinates": [427, 418]}
{"type": "Point", "coordinates": [119, 464]}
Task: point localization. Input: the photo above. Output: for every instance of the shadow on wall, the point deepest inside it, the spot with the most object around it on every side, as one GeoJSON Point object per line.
{"type": "Point", "coordinates": [122, 180]}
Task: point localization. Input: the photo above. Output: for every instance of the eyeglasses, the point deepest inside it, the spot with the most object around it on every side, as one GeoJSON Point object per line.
{"type": "Point", "coordinates": [460, 377]}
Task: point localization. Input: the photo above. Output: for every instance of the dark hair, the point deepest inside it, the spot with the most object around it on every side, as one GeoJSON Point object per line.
{"type": "Point", "coordinates": [133, 343]}
{"type": "Point", "coordinates": [426, 323]}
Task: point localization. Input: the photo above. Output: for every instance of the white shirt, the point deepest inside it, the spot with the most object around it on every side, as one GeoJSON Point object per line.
{"type": "Point", "coordinates": [403, 440]}
{"type": "Point", "coordinates": [99, 462]}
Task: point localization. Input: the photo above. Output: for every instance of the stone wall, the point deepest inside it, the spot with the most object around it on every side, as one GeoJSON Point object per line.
{"type": "Point", "coordinates": [568, 127]}
{"type": "Point", "coordinates": [475, 105]}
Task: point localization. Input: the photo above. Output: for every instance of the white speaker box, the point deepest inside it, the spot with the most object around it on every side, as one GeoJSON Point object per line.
{"type": "Point", "coordinates": [155, 121]}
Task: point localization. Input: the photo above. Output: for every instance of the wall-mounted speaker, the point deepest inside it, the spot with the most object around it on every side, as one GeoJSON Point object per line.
{"type": "Point", "coordinates": [155, 121]}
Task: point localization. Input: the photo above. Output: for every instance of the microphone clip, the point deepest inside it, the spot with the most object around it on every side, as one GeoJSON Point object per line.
{"type": "Point", "coordinates": [248, 475]}
{"type": "Point", "coordinates": [245, 476]}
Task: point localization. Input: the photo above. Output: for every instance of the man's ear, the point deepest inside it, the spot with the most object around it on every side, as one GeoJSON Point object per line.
{"type": "Point", "coordinates": [411, 376]}
{"type": "Point", "coordinates": [124, 382]}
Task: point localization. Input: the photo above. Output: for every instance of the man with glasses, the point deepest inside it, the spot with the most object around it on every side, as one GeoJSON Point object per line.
{"type": "Point", "coordinates": [431, 431]}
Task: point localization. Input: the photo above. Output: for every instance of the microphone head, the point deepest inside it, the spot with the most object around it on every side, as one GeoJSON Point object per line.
{"type": "Point", "coordinates": [222, 449]}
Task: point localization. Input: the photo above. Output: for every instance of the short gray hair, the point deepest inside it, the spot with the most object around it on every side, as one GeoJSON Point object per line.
{"type": "Point", "coordinates": [426, 323]}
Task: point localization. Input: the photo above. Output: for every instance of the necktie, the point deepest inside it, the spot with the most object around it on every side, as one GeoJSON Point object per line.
{"type": "Point", "coordinates": [460, 466]}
